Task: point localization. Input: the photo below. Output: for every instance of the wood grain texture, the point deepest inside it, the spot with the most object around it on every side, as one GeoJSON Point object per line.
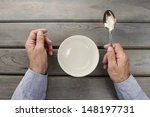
{"type": "Point", "coordinates": [14, 61]}
{"type": "Point", "coordinates": [72, 88]}
{"type": "Point", "coordinates": [128, 10]}
{"type": "Point", "coordinates": [64, 18]}
{"type": "Point", "coordinates": [8, 85]}
{"type": "Point", "coordinates": [88, 88]}
{"type": "Point", "coordinates": [130, 35]}
{"type": "Point", "coordinates": [80, 88]}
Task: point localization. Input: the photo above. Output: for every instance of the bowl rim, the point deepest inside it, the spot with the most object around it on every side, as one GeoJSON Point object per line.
{"type": "Point", "coordinates": [93, 44]}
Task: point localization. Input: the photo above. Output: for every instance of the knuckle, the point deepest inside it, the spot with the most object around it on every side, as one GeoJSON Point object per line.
{"type": "Point", "coordinates": [39, 48]}
{"type": "Point", "coordinates": [40, 36]}
{"type": "Point", "coordinates": [117, 44]}
{"type": "Point", "coordinates": [122, 55]}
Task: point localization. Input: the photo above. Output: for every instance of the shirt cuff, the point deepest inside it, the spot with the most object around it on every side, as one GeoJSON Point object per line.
{"type": "Point", "coordinates": [32, 86]}
{"type": "Point", "coordinates": [130, 89]}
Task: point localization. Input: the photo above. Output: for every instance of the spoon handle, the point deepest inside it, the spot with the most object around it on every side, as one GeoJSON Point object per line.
{"type": "Point", "coordinates": [110, 38]}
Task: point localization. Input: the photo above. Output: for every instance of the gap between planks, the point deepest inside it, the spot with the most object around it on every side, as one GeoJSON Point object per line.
{"type": "Point", "coordinates": [86, 77]}
{"type": "Point", "coordinates": [99, 47]}
{"type": "Point", "coordinates": [70, 21]}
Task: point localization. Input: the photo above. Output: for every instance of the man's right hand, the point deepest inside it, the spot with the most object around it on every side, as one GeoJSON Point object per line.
{"type": "Point", "coordinates": [116, 62]}
{"type": "Point", "coordinates": [38, 46]}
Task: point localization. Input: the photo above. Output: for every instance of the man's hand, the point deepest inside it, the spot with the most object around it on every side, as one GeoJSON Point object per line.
{"type": "Point", "coordinates": [38, 46]}
{"type": "Point", "coordinates": [116, 62]}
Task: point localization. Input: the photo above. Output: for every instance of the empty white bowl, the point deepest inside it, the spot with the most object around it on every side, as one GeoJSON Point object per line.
{"type": "Point", "coordinates": [78, 56]}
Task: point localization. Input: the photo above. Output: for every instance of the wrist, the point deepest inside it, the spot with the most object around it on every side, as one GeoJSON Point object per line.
{"type": "Point", "coordinates": [121, 79]}
{"type": "Point", "coordinates": [39, 71]}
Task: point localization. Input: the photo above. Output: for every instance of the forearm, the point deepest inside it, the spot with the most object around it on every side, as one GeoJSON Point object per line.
{"type": "Point", "coordinates": [33, 86]}
{"type": "Point", "coordinates": [130, 90]}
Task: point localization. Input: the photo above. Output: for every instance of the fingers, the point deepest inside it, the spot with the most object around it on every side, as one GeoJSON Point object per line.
{"type": "Point", "coordinates": [111, 57]}
{"type": "Point", "coordinates": [106, 46]}
{"type": "Point", "coordinates": [118, 49]}
{"type": "Point", "coordinates": [105, 61]}
{"type": "Point", "coordinates": [116, 45]}
{"type": "Point", "coordinates": [120, 55]}
{"type": "Point", "coordinates": [49, 46]}
{"type": "Point", "coordinates": [31, 41]}
{"type": "Point", "coordinates": [44, 30]}
{"type": "Point", "coordinates": [33, 33]}
{"type": "Point", "coordinates": [40, 39]}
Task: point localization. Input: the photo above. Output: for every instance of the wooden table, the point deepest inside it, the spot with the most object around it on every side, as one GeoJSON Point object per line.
{"type": "Point", "coordinates": [64, 18]}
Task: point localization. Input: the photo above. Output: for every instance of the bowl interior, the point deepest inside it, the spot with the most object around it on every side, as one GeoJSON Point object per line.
{"type": "Point", "coordinates": [78, 56]}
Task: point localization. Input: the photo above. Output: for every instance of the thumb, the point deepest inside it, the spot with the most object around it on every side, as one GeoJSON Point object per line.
{"type": "Point", "coordinates": [40, 39]}
{"type": "Point", "coordinates": [111, 57]}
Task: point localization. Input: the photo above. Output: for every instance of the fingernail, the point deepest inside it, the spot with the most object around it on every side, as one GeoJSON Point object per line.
{"type": "Point", "coordinates": [109, 49]}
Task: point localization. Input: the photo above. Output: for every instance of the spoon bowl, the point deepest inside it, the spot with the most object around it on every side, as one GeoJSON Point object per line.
{"type": "Point", "coordinates": [109, 21]}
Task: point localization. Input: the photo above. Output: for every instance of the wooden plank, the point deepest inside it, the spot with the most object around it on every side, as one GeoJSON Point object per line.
{"type": "Point", "coordinates": [80, 88]}
{"type": "Point", "coordinates": [137, 10]}
{"type": "Point", "coordinates": [88, 88]}
{"type": "Point", "coordinates": [130, 35]}
{"type": "Point", "coordinates": [14, 61]}
{"type": "Point", "coordinates": [65, 88]}
{"type": "Point", "coordinates": [7, 85]}
{"type": "Point", "coordinates": [71, 88]}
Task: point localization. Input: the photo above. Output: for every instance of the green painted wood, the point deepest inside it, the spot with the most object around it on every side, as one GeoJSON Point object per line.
{"type": "Point", "coordinates": [128, 10]}
{"type": "Point", "coordinates": [130, 35]}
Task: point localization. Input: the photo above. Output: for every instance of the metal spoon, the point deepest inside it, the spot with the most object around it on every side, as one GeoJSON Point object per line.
{"type": "Point", "coordinates": [109, 21]}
